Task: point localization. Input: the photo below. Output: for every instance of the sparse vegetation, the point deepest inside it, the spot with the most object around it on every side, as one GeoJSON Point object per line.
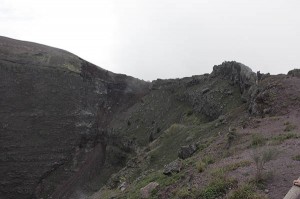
{"type": "Point", "coordinates": [156, 176]}
{"type": "Point", "coordinates": [202, 164]}
{"type": "Point", "coordinates": [296, 157]}
{"type": "Point", "coordinates": [231, 167]}
{"type": "Point", "coordinates": [202, 146]}
{"type": "Point", "coordinates": [185, 192]}
{"type": "Point", "coordinates": [260, 158]}
{"type": "Point", "coordinates": [258, 140]}
{"type": "Point", "coordinates": [218, 187]}
{"type": "Point", "coordinates": [109, 193]}
{"type": "Point", "coordinates": [208, 159]}
{"type": "Point", "coordinates": [246, 191]}
{"type": "Point", "coordinates": [237, 165]}
{"type": "Point", "coordinates": [282, 137]}
{"type": "Point", "coordinates": [289, 127]}
{"type": "Point", "coordinates": [189, 112]}
{"type": "Point", "coordinates": [231, 136]}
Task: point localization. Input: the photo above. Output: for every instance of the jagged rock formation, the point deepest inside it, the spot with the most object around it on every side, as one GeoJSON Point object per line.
{"type": "Point", "coordinates": [54, 111]}
{"type": "Point", "coordinates": [238, 73]}
{"type": "Point", "coordinates": [294, 73]}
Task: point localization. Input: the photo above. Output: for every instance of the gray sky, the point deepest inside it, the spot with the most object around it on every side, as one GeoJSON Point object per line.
{"type": "Point", "coordinates": [152, 39]}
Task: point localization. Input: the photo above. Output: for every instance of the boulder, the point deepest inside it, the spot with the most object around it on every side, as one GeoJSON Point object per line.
{"type": "Point", "coordinates": [187, 151]}
{"type": "Point", "coordinates": [146, 191]}
{"type": "Point", "coordinates": [173, 167]}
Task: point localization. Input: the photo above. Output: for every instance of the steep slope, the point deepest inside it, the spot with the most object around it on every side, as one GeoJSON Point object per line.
{"type": "Point", "coordinates": [54, 110]}
{"type": "Point", "coordinates": [230, 134]}
{"type": "Point", "coordinates": [175, 113]}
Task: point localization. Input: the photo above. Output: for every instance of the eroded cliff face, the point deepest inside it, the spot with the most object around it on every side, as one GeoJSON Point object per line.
{"type": "Point", "coordinates": [54, 111]}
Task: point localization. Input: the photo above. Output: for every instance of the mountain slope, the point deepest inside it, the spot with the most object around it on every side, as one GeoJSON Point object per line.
{"type": "Point", "coordinates": [54, 111]}
{"type": "Point", "coordinates": [69, 129]}
{"type": "Point", "coordinates": [244, 127]}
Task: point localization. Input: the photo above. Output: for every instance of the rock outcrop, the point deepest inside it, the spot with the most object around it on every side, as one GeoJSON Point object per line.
{"type": "Point", "coordinates": [187, 151]}
{"type": "Point", "coordinates": [173, 167]}
{"type": "Point", "coordinates": [294, 73]}
{"type": "Point", "coordinates": [239, 74]}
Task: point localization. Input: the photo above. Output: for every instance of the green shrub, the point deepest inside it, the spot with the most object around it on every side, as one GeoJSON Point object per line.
{"type": "Point", "coordinates": [260, 159]}
{"type": "Point", "coordinates": [231, 136]}
{"type": "Point", "coordinates": [200, 166]}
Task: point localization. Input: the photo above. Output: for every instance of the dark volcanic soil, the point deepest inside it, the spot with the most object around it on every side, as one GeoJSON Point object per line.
{"type": "Point", "coordinates": [54, 109]}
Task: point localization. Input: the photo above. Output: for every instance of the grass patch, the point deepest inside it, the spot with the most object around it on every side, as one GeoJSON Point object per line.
{"type": "Point", "coordinates": [168, 144]}
{"type": "Point", "coordinates": [158, 176]}
{"type": "Point", "coordinates": [289, 127]}
{"type": "Point", "coordinates": [237, 165]}
{"type": "Point", "coordinates": [204, 144]}
{"type": "Point", "coordinates": [296, 157]}
{"type": "Point", "coordinates": [108, 193]}
{"type": "Point", "coordinates": [260, 158]}
{"type": "Point", "coordinates": [258, 140]}
{"type": "Point", "coordinates": [208, 160]}
{"type": "Point", "coordinates": [184, 193]}
{"type": "Point", "coordinates": [231, 167]}
{"type": "Point", "coordinates": [202, 164]}
{"type": "Point", "coordinates": [282, 137]}
{"type": "Point", "coordinates": [247, 191]}
{"type": "Point", "coordinates": [217, 188]}
{"type": "Point", "coordinates": [231, 136]}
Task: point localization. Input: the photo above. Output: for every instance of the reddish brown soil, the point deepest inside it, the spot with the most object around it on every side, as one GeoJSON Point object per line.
{"type": "Point", "coordinates": [283, 169]}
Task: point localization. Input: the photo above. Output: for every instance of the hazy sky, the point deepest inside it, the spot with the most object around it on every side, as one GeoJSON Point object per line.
{"type": "Point", "coordinates": [152, 39]}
